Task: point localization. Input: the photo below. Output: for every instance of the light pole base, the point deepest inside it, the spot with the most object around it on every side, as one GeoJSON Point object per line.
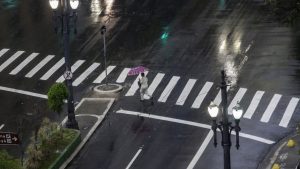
{"type": "Point", "coordinates": [72, 124]}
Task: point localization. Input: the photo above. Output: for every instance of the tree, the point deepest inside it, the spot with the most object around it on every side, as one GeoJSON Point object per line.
{"type": "Point", "coordinates": [8, 162]}
{"type": "Point", "coordinates": [56, 95]}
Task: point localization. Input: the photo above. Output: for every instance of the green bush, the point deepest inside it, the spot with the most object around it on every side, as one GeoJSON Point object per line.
{"type": "Point", "coordinates": [8, 162]}
{"type": "Point", "coordinates": [56, 95]}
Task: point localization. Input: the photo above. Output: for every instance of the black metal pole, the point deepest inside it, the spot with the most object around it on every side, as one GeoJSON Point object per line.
{"type": "Point", "coordinates": [71, 122]}
{"type": "Point", "coordinates": [104, 42]}
{"type": "Point", "coordinates": [226, 143]}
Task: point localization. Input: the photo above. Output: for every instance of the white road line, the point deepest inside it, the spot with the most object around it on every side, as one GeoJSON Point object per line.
{"type": "Point", "coordinates": [3, 51]}
{"type": "Point", "coordinates": [201, 150]}
{"type": "Point", "coordinates": [2, 125]}
{"type": "Point", "coordinates": [10, 60]}
{"type": "Point", "coordinates": [39, 66]}
{"type": "Point", "coordinates": [218, 98]}
{"type": "Point", "coordinates": [186, 91]}
{"type": "Point", "coordinates": [74, 67]}
{"type": "Point", "coordinates": [289, 112]}
{"type": "Point", "coordinates": [201, 125]}
{"type": "Point", "coordinates": [134, 87]}
{"type": "Point", "coordinates": [85, 74]}
{"type": "Point", "coordinates": [270, 109]}
{"type": "Point", "coordinates": [101, 77]}
{"type": "Point", "coordinates": [237, 98]}
{"type": "Point", "coordinates": [253, 105]}
{"type": "Point", "coordinates": [23, 92]}
{"type": "Point", "coordinates": [123, 75]}
{"type": "Point", "coordinates": [156, 81]}
{"type": "Point", "coordinates": [202, 94]}
{"type": "Point", "coordinates": [165, 94]}
{"type": "Point", "coordinates": [23, 64]}
{"type": "Point", "coordinates": [134, 158]}
{"type": "Point", "coordinates": [53, 69]}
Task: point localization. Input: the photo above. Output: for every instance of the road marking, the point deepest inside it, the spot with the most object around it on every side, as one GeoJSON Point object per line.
{"type": "Point", "coordinates": [202, 94]}
{"type": "Point", "coordinates": [201, 125]}
{"type": "Point", "coordinates": [156, 81]}
{"type": "Point", "coordinates": [2, 125]}
{"type": "Point", "coordinates": [101, 77]}
{"type": "Point", "coordinates": [253, 105]}
{"type": "Point", "coordinates": [23, 92]}
{"type": "Point", "coordinates": [3, 51]}
{"type": "Point", "coordinates": [134, 87]}
{"type": "Point", "coordinates": [39, 66]}
{"type": "Point", "coordinates": [237, 98]}
{"type": "Point", "coordinates": [74, 67]}
{"type": "Point", "coordinates": [218, 98]}
{"type": "Point", "coordinates": [53, 69]}
{"type": "Point", "coordinates": [201, 150]}
{"type": "Point", "coordinates": [85, 74]}
{"type": "Point", "coordinates": [134, 158]}
{"type": "Point", "coordinates": [23, 64]}
{"type": "Point", "coordinates": [186, 91]}
{"type": "Point", "coordinates": [270, 109]}
{"type": "Point", "coordinates": [165, 94]}
{"type": "Point", "coordinates": [10, 60]}
{"type": "Point", "coordinates": [289, 112]}
{"type": "Point", "coordinates": [123, 75]}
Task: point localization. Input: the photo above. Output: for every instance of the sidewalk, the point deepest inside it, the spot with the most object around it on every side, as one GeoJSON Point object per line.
{"type": "Point", "coordinates": [284, 155]}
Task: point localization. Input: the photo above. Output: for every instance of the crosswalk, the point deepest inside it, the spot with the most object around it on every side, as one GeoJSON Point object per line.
{"type": "Point", "coordinates": [185, 98]}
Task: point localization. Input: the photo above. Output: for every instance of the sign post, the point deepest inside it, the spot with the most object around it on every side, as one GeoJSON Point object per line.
{"type": "Point", "coordinates": [8, 138]}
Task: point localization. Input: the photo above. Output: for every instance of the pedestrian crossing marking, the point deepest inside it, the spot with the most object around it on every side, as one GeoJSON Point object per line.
{"type": "Point", "coordinates": [123, 75]}
{"type": "Point", "coordinates": [185, 92]}
{"type": "Point", "coordinates": [39, 66]}
{"type": "Point", "coordinates": [10, 60]}
{"type": "Point", "coordinates": [85, 74]}
{"type": "Point", "coordinates": [289, 112]}
{"type": "Point", "coordinates": [202, 94]}
{"type": "Point", "coordinates": [270, 109]}
{"type": "Point", "coordinates": [134, 87]}
{"type": "Point", "coordinates": [156, 81]}
{"type": "Point", "coordinates": [167, 91]}
{"type": "Point", "coordinates": [102, 76]}
{"type": "Point", "coordinates": [253, 105]}
{"type": "Point", "coordinates": [218, 98]}
{"type": "Point", "coordinates": [3, 51]}
{"type": "Point", "coordinates": [74, 67]}
{"type": "Point", "coordinates": [53, 69]}
{"type": "Point", "coordinates": [237, 98]}
{"type": "Point", "coordinates": [23, 64]}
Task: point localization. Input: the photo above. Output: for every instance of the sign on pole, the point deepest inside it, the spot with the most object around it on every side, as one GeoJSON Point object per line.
{"type": "Point", "coordinates": [8, 138]}
{"type": "Point", "coordinates": [68, 75]}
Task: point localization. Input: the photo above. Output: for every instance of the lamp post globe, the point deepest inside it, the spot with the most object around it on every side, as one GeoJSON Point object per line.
{"type": "Point", "coordinates": [74, 4]}
{"type": "Point", "coordinates": [54, 4]}
{"type": "Point", "coordinates": [237, 112]}
{"type": "Point", "coordinates": [213, 110]}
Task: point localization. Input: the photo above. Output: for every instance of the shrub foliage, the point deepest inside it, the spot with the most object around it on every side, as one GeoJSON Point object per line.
{"type": "Point", "coordinates": [56, 95]}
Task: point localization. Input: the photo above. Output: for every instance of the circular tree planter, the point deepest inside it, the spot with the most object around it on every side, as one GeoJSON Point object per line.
{"type": "Point", "coordinates": [108, 89]}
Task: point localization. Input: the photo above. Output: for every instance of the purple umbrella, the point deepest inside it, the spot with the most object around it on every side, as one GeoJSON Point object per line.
{"type": "Point", "coordinates": [137, 70]}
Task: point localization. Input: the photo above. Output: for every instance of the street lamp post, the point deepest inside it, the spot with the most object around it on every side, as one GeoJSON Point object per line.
{"type": "Point", "coordinates": [225, 126]}
{"type": "Point", "coordinates": [103, 32]}
{"type": "Point", "coordinates": [67, 12]}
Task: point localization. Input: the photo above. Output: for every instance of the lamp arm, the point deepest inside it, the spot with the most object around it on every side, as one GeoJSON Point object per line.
{"type": "Point", "coordinates": [214, 129]}
{"type": "Point", "coordinates": [237, 131]}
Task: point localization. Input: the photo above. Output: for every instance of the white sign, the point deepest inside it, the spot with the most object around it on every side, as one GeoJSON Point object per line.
{"type": "Point", "coordinates": [68, 75]}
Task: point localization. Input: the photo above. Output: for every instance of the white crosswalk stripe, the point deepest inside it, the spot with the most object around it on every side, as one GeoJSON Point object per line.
{"type": "Point", "coordinates": [202, 94]}
{"type": "Point", "coordinates": [270, 109]}
{"type": "Point", "coordinates": [10, 60]}
{"type": "Point", "coordinates": [218, 98]}
{"type": "Point", "coordinates": [134, 87]}
{"type": "Point", "coordinates": [85, 74]}
{"type": "Point", "coordinates": [167, 91]}
{"type": "Point", "coordinates": [186, 91]}
{"type": "Point", "coordinates": [289, 112]}
{"type": "Point", "coordinates": [237, 98]}
{"type": "Point", "coordinates": [23, 64]}
{"type": "Point", "coordinates": [102, 76]}
{"type": "Point", "coordinates": [156, 81]}
{"type": "Point", "coordinates": [3, 51]}
{"type": "Point", "coordinates": [123, 75]}
{"type": "Point", "coordinates": [50, 72]}
{"type": "Point", "coordinates": [74, 67]}
{"type": "Point", "coordinates": [39, 66]}
{"type": "Point", "coordinates": [253, 105]}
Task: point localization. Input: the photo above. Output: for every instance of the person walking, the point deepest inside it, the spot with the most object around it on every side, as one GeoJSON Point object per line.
{"type": "Point", "coordinates": [143, 83]}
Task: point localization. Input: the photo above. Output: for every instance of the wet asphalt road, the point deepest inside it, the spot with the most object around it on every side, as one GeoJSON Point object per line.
{"type": "Point", "coordinates": [202, 37]}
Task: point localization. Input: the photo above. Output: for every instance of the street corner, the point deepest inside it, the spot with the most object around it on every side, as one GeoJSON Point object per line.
{"type": "Point", "coordinates": [94, 106]}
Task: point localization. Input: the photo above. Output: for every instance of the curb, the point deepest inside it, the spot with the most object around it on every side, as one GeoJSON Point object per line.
{"type": "Point", "coordinates": [108, 91]}
{"type": "Point", "coordinates": [86, 138]}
